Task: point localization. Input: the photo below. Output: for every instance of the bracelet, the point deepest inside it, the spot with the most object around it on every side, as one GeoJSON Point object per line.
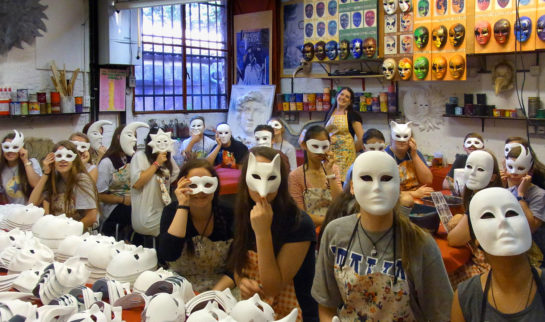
{"type": "Point", "coordinates": [28, 163]}
{"type": "Point", "coordinates": [156, 164]}
{"type": "Point", "coordinates": [183, 207]}
{"type": "Point", "coordinates": [331, 176]}
{"type": "Point", "coordinates": [519, 198]}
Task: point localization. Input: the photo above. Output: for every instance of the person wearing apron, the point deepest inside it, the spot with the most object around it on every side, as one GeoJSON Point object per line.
{"type": "Point", "coordinates": [273, 249]}
{"type": "Point", "coordinates": [317, 182]}
{"type": "Point", "coordinates": [375, 265]}
{"type": "Point", "coordinates": [195, 232]}
{"type": "Point", "coordinates": [342, 125]}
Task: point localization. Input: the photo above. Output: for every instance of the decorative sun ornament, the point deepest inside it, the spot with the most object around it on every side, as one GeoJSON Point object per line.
{"type": "Point", "coordinates": [20, 21]}
{"type": "Point", "coordinates": [161, 142]}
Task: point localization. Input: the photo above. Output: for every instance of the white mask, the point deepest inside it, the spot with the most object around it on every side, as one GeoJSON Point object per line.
{"type": "Point", "coordinates": [499, 222]}
{"type": "Point", "coordinates": [16, 144]}
{"type": "Point", "coordinates": [318, 146]}
{"type": "Point", "coordinates": [204, 184]}
{"type": "Point", "coordinates": [127, 138]}
{"type": "Point", "coordinates": [377, 146]}
{"type": "Point", "coordinates": [275, 124]}
{"type": "Point", "coordinates": [263, 138]}
{"type": "Point", "coordinates": [478, 170]}
{"type": "Point", "coordinates": [375, 181]}
{"type": "Point", "coordinates": [161, 142]}
{"type": "Point", "coordinates": [82, 146]}
{"type": "Point", "coordinates": [196, 127]}
{"type": "Point", "coordinates": [473, 142]}
{"type": "Point", "coordinates": [224, 133]}
{"type": "Point", "coordinates": [94, 133]}
{"type": "Point", "coordinates": [522, 164]}
{"type": "Point", "coordinates": [263, 177]}
{"type": "Point", "coordinates": [252, 309]}
{"type": "Point", "coordinates": [400, 132]}
{"type": "Point", "coordinates": [65, 155]}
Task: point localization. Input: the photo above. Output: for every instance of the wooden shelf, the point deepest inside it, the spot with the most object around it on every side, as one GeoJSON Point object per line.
{"type": "Point", "coordinates": [40, 115]}
{"type": "Point", "coordinates": [325, 76]}
{"type": "Point", "coordinates": [482, 118]}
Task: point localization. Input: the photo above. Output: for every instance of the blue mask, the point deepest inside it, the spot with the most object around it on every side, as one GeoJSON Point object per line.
{"type": "Point", "coordinates": [523, 28]}
{"type": "Point", "coordinates": [357, 47]}
{"type": "Point", "coordinates": [331, 50]}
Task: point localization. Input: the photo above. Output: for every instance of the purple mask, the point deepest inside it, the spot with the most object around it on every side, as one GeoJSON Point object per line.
{"type": "Point", "coordinates": [370, 18]}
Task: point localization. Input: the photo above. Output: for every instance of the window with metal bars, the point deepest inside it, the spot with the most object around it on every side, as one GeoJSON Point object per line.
{"type": "Point", "coordinates": [184, 64]}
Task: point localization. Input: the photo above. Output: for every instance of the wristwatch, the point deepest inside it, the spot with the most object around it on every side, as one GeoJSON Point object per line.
{"type": "Point", "coordinates": [519, 198]}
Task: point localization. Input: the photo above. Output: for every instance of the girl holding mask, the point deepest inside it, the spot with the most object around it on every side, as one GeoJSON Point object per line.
{"type": "Point", "coordinates": [472, 142]}
{"type": "Point", "coordinates": [280, 144]}
{"type": "Point", "coordinates": [376, 263]}
{"type": "Point", "coordinates": [373, 140]}
{"type": "Point", "coordinates": [538, 168]}
{"type": "Point", "coordinates": [196, 232]}
{"type": "Point", "coordinates": [83, 144]}
{"type": "Point", "coordinates": [314, 184]}
{"type": "Point", "coordinates": [198, 145]}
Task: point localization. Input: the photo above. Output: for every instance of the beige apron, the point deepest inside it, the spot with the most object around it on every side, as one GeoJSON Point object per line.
{"type": "Point", "coordinates": [121, 181]}
{"type": "Point", "coordinates": [342, 143]}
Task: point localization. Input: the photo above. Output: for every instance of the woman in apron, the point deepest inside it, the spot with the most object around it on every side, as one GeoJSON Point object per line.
{"type": "Point", "coordinates": [314, 184]}
{"type": "Point", "coordinates": [376, 265]}
{"type": "Point", "coordinates": [273, 249]}
{"type": "Point", "coordinates": [196, 233]}
{"type": "Point", "coordinates": [343, 123]}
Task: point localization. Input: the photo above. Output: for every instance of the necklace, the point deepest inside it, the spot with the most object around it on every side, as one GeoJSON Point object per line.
{"type": "Point", "coordinates": [205, 227]}
{"type": "Point", "coordinates": [374, 250]}
{"type": "Point", "coordinates": [527, 297]}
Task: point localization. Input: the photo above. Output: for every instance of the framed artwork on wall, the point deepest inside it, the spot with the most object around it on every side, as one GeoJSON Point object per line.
{"type": "Point", "coordinates": [292, 38]}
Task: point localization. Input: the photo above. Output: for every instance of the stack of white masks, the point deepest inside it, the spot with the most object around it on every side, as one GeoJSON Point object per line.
{"type": "Point", "coordinates": [101, 254]}
{"type": "Point", "coordinates": [52, 230]}
{"type": "Point", "coordinates": [27, 280]}
{"type": "Point", "coordinates": [29, 254]}
{"type": "Point", "coordinates": [128, 265]}
{"type": "Point", "coordinates": [148, 278]}
{"type": "Point", "coordinates": [22, 217]}
{"type": "Point", "coordinates": [59, 278]}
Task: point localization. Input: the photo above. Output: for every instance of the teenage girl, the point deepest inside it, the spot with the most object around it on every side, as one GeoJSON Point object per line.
{"type": "Point", "coordinates": [83, 144]}
{"type": "Point", "coordinates": [280, 144]}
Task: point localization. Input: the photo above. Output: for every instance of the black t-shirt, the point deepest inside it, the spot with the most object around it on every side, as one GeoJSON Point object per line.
{"type": "Point", "coordinates": [459, 163]}
{"type": "Point", "coordinates": [232, 155]}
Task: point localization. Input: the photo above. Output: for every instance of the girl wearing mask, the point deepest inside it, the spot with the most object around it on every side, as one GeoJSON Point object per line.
{"type": "Point", "coordinates": [83, 144]}
{"type": "Point", "coordinates": [280, 144]}
{"type": "Point", "coordinates": [472, 142]}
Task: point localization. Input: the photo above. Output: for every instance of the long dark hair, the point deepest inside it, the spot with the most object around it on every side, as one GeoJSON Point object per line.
{"type": "Point", "coordinates": [115, 152]}
{"type": "Point", "coordinates": [538, 168]}
{"type": "Point", "coordinates": [152, 156]}
{"type": "Point", "coordinates": [468, 193]}
{"type": "Point", "coordinates": [23, 180]}
{"type": "Point", "coordinates": [348, 109]}
{"type": "Point", "coordinates": [373, 134]}
{"type": "Point", "coordinates": [312, 132]}
{"type": "Point", "coordinates": [286, 213]}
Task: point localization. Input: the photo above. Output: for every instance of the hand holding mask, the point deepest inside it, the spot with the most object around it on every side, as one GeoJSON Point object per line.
{"type": "Point", "coordinates": [16, 143]}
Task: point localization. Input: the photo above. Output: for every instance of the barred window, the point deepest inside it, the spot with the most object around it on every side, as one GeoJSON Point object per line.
{"type": "Point", "coordinates": [184, 58]}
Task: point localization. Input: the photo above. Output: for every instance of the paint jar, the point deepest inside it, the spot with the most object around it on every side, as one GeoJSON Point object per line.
{"type": "Point", "coordinates": [299, 102]}
{"type": "Point", "coordinates": [459, 110]}
{"type": "Point", "coordinates": [279, 101]}
{"type": "Point", "coordinates": [42, 101]}
{"type": "Point", "coordinates": [362, 105]}
{"type": "Point", "coordinates": [293, 105]}
{"type": "Point", "coordinates": [33, 105]}
{"type": "Point", "coordinates": [533, 106]}
{"type": "Point", "coordinates": [319, 102]}
{"type": "Point", "coordinates": [540, 114]}
{"type": "Point", "coordinates": [305, 102]}
{"type": "Point", "coordinates": [392, 102]}
{"type": "Point", "coordinates": [79, 104]}
{"type": "Point", "coordinates": [496, 112]}
{"type": "Point", "coordinates": [326, 99]}
{"type": "Point", "coordinates": [375, 105]}
{"type": "Point", "coordinates": [312, 102]}
{"type": "Point", "coordinates": [55, 102]}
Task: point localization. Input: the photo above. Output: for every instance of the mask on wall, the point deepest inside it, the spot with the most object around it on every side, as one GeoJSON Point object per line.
{"type": "Point", "coordinates": [390, 23]}
{"type": "Point", "coordinates": [64, 154]}
{"type": "Point", "coordinates": [473, 142]}
{"type": "Point", "coordinates": [457, 66]}
{"type": "Point", "coordinates": [439, 36]}
{"type": "Point", "coordinates": [320, 29]}
{"type": "Point", "coordinates": [344, 20]}
{"type": "Point", "coordinates": [423, 8]}
{"type": "Point", "coordinates": [332, 28]}
{"type": "Point", "coordinates": [95, 137]}
{"type": "Point", "coordinates": [370, 47]}
{"type": "Point", "coordinates": [263, 138]}
{"type": "Point", "coordinates": [332, 7]}
{"type": "Point", "coordinates": [407, 44]}
{"type": "Point", "coordinates": [82, 147]}
{"type": "Point", "coordinates": [263, 177]}
{"type": "Point", "coordinates": [370, 18]}
{"type": "Point", "coordinates": [483, 4]}
{"type": "Point", "coordinates": [482, 32]}
{"type": "Point", "coordinates": [441, 7]}
{"type": "Point", "coordinates": [16, 143]}
{"type": "Point", "coordinates": [344, 49]}
{"type": "Point", "coordinates": [390, 47]}
{"type": "Point", "coordinates": [478, 170]}
{"type": "Point", "coordinates": [205, 184]}
{"type": "Point", "coordinates": [540, 29]}
{"type": "Point", "coordinates": [503, 77]}
{"type": "Point", "coordinates": [357, 49]}
{"type": "Point", "coordinates": [522, 164]}
{"type": "Point", "coordinates": [421, 37]}
{"type": "Point", "coordinates": [502, 29]}
{"type": "Point", "coordinates": [309, 30]}
{"type": "Point", "coordinates": [500, 226]}
{"type": "Point", "coordinates": [331, 50]}
{"type": "Point", "coordinates": [161, 142]}
{"type": "Point", "coordinates": [377, 146]}
{"type": "Point", "coordinates": [439, 67]}
{"type": "Point", "coordinates": [389, 68]}
{"type": "Point", "coordinates": [196, 127]}
{"type": "Point", "coordinates": [458, 6]}
{"type": "Point", "coordinates": [421, 67]}
{"type": "Point", "coordinates": [224, 133]}
{"type": "Point", "coordinates": [456, 34]}
{"type": "Point", "coordinates": [375, 182]}
{"type": "Point", "coordinates": [406, 22]}
{"type": "Point", "coordinates": [401, 131]}
{"type": "Point", "coordinates": [390, 6]}
{"type": "Point", "coordinates": [356, 19]}
{"type": "Point", "coordinates": [405, 5]}
{"type": "Point", "coordinates": [317, 146]}
{"type": "Point", "coordinates": [523, 29]}
{"type": "Point", "coordinates": [319, 50]}
{"type": "Point", "coordinates": [320, 9]}
{"type": "Point", "coordinates": [405, 68]}
{"type": "Point", "coordinates": [127, 138]}
{"type": "Point", "coordinates": [308, 51]}
{"type": "Point", "coordinates": [504, 3]}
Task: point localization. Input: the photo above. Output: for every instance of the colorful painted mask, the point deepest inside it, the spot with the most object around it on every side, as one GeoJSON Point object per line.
{"type": "Point", "coordinates": [500, 225]}
{"type": "Point", "coordinates": [482, 32]}
{"type": "Point", "coordinates": [332, 27]}
{"type": "Point", "coordinates": [308, 51]}
{"type": "Point", "coordinates": [456, 34]}
{"type": "Point", "coordinates": [439, 36]}
{"type": "Point", "coordinates": [309, 10]}
{"type": "Point", "coordinates": [356, 19]}
{"type": "Point", "coordinates": [421, 67]}
{"type": "Point", "coordinates": [441, 7]}
{"type": "Point", "coordinates": [331, 50]}
{"type": "Point", "coordinates": [196, 127]}
{"type": "Point", "coordinates": [127, 139]}
{"type": "Point", "coordinates": [503, 3]}
{"type": "Point", "coordinates": [263, 138]}
{"type": "Point", "coordinates": [400, 131]}
{"type": "Point", "coordinates": [406, 22]}
{"type": "Point", "coordinates": [439, 67]}
{"type": "Point", "coordinates": [522, 164]}
{"type": "Point", "coordinates": [370, 47]}
{"type": "Point", "coordinates": [64, 154]}
{"type": "Point", "coordinates": [390, 45]}
{"type": "Point", "coordinates": [523, 29]}
{"type": "Point", "coordinates": [16, 144]}
{"type": "Point", "coordinates": [95, 135]}
{"type": "Point", "coordinates": [390, 23]}
{"type": "Point", "coordinates": [224, 133]}
{"type": "Point", "coordinates": [320, 29]}
{"type": "Point", "coordinates": [407, 44]}
{"type": "Point", "coordinates": [161, 141]}
{"type": "Point", "coordinates": [320, 9]}
{"type": "Point", "coordinates": [540, 29]}
{"type": "Point", "coordinates": [457, 66]}
{"type": "Point", "coordinates": [478, 170]}
{"type": "Point", "coordinates": [357, 49]}
{"type": "Point", "coordinates": [309, 30]}
{"type": "Point", "coordinates": [370, 18]}
{"type": "Point", "coordinates": [405, 5]}
{"type": "Point", "coordinates": [332, 7]}
{"type": "Point", "coordinates": [390, 6]}
{"type": "Point", "coordinates": [458, 6]}
{"type": "Point", "coordinates": [423, 8]}
{"type": "Point", "coordinates": [205, 184]}
{"type": "Point", "coordinates": [319, 50]}
{"type": "Point", "coordinates": [263, 177]}
{"type": "Point", "coordinates": [344, 20]}
{"type": "Point", "coordinates": [483, 4]}
{"type": "Point", "coordinates": [344, 49]}
{"type": "Point", "coordinates": [421, 37]}
{"type": "Point", "coordinates": [405, 68]}
{"type": "Point", "coordinates": [389, 68]}
{"type": "Point", "coordinates": [317, 146]}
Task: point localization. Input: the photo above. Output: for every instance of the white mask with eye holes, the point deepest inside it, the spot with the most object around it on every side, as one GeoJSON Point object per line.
{"type": "Point", "coordinates": [375, 182]}
{"type": "Point", "coordinates": [475, 142]}
{"type": "Point", "coordinates": [127, 138]}
{"type": "Point", "coordinates": [95, 137]}
{"type": "Point", "coordinates": [224, 133]}
{"type": "Point", "coordinates": [82, 146]}
{"type": "Point", "coordinates": [196, 127]}
{"type": "Point", "coordinates": [275, 124]}
{"type": "Point", "coordinates": [401, 132]}
{"type": "Point", "coordinates": [263, 138]}
{"type": "Point", "coordinates": [522, 164]}
{"type": "Point", "coordinates": [317, 146]}
{"type": "Point", "coordinates": [478, 170]}
{"type": "Point", "coordinates": [161, 142]}
{"type": "Point", "coordinates": [16, 143]}
{"type": "Point", "coordinates": [377, 146]}
{"type": "Point", "coordinates": [499, 223]}
{"type": "Point", "coordinates": [263, 177]}
{"type": "Point", "coordinates": [204, 184]}
{"type": "Point", "coordinates": [65, 155]}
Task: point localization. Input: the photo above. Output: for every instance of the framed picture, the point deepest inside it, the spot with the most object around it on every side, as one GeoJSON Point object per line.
{"type": "Point", "coordinates": [250, 106]}
{"type": "Point", "coordinates": [112, 85]}
{"type": "Point", "coordinates": [292, 38]}
{"type": "Point", "coordinates": [253, 48]}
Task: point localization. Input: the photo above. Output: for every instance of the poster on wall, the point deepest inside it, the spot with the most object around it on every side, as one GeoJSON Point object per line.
{"type": "Point", "coordinates": [253, 57]}
{"type": "Point", "coordinates": [112, 85]}
{"type": "Point", "coordinates": [292, 36]}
